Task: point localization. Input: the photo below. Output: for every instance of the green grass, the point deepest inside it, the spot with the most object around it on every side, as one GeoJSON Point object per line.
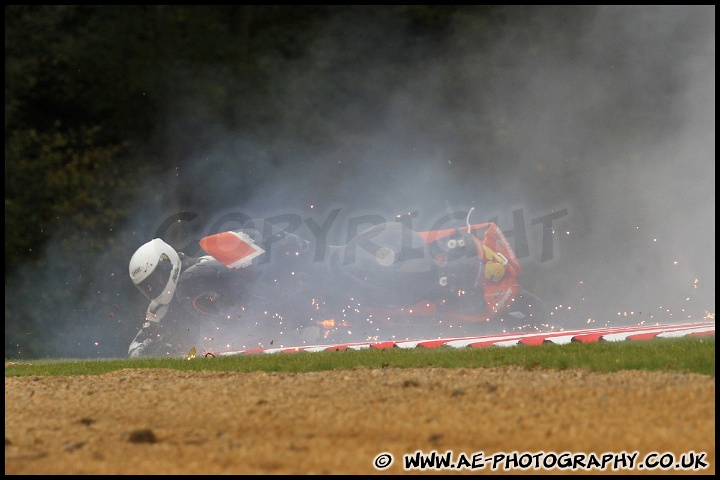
{"type": "Point", "coordinates": [686, 355]}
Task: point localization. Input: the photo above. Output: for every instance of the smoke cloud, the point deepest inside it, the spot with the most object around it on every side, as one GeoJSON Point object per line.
{"type": "Point", "coordinates": [599, 120]}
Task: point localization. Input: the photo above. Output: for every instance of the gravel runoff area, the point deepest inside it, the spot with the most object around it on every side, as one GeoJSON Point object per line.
{"type": "Point", "coordinates": [161, 421]}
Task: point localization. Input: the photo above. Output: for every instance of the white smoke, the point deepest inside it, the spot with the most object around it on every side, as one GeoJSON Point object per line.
{"type": "Point", "coordinates": [605, 114]}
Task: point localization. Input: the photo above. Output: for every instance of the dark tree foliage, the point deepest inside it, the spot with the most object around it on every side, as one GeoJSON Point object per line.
{"type": "Point", "coordinates": [105, 78]}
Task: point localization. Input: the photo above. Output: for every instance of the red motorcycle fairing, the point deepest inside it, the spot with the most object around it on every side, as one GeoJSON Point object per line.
{"type": "Point", "coordinates": [496, 277]}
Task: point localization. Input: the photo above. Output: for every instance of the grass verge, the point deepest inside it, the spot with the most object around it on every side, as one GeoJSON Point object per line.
{"type": "Point", "coordinates": [683, 355]}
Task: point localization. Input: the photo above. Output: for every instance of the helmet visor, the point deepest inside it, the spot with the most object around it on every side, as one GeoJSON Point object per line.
{"type": "Point", "coordinates": [154, 285]}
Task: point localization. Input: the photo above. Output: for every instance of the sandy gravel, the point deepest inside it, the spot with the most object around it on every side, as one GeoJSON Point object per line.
{"type": "Point", "coordinates": [172, 422]}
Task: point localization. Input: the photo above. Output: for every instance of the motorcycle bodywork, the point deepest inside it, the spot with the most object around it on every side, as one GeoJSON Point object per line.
{"type": "Point", "coordinates": [401, 284]}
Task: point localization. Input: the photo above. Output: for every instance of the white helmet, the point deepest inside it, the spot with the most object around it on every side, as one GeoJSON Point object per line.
{"type": "Point", "coordinates": [154, 269]}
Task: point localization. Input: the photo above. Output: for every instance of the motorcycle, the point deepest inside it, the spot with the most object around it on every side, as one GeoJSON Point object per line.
{"type": "Point", "coordinates": [389, 283]}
